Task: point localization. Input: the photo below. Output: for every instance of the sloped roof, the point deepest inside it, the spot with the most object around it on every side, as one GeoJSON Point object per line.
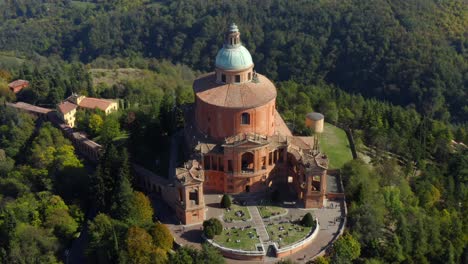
{"type": "Point", "coordinates": [18, 83]}
{"type": "Point", "coordinates": [234, 95]}
{"type": "Point", "coordinates": [29, 107]}
{"type": "Point", "coordinates": [66, 107]}
{"type": "Point", "coordinates": [92, 103]}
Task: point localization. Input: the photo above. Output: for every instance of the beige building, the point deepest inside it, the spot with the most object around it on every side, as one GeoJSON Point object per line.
{"type": "Point", "coordinates": [67, 112]}
{"type": "Point", "coordinates": [67, 108]}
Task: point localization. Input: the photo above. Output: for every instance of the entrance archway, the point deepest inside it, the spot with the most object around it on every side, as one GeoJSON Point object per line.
{"type": "Point", "coordinates": [247, 188]}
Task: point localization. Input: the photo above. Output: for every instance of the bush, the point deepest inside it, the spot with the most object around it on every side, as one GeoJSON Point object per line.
{"type": "Point", "coordinates": [226, 201]}
{"type": "Point", "coordinates": [307, 220]}
{"type": "Point", "coordinates": [162, 237]}
{"type": "Point", "coordinates": [212, 227]}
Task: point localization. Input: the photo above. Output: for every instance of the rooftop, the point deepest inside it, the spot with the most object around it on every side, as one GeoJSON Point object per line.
{"type": "Point", "coordinates": [92, 103]}
{"type": "Point", "coordinates": [234, 95]}
{"type": "Point", "coordinates": [66, 107]}
{"type": "Point", "coordinates": [30, 108]}
{"type": "Point", "coordinates": [18, 83]}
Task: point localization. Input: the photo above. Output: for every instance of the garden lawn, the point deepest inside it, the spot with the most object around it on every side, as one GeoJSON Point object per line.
{"type": "Point", "coordinates": [231, 215]}
{"type": "Point", "coordinates": [294, 235]}
{"type": "Point", "coordinates": [268, 211]}
{"type": "Point", "coordinates": [335, 144]}
{"type": "Point", "coordinates": [248, 239]}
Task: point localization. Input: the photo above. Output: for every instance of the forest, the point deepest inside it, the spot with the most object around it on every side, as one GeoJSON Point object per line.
{"type": "Point", "coordinates": [410, 53]}
{"type": "Point", "coordinates": [395, 73]}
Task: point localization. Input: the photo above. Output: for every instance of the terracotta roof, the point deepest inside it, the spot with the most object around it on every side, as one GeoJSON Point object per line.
{"type": "Point", "coordinates": [190, 173]}
{"type": "Point", "coordinates": [18, 83]}
{"type": "Point", "coordinates": [234, 95]}
{"type": "Point", "coordinates": [66, 107]}
{"type": "Point", "coordinates": [280, 126]}
{"type": "Point", "coordinates": [30, 108]}
{"type": "Point", "coordinates": [92, 103]}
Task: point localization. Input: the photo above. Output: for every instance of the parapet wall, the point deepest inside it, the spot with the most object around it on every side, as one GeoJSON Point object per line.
{"type": "Point", "coordinates": [237, 253]}
{"type": "Point", "coordinates": [289, 250]}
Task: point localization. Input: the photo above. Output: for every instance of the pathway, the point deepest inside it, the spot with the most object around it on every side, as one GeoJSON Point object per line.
{"type": "Point", "coordinates": [258, 222]}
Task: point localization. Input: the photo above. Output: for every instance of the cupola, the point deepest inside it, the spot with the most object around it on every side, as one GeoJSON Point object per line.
{"type": "Point", "coordinates": [233, 62]}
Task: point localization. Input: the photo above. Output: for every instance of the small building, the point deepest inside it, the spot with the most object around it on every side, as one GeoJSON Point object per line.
{"type": "Point", "coordinates": [18, 85]}
{"type": "Point", "coordinates": [67, 112]}
{"type": "Point", "coordinates": [67, 108]}
{"type": "Point", "coordinates": [106, 105]}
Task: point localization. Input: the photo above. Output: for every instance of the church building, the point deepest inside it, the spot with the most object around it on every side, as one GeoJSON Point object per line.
{"type": "Point", "coordinates": [238, 141]}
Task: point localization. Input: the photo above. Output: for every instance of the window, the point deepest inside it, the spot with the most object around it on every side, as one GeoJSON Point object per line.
{"type": "Point", "coordinates": [229, 165]}
{"type": "Point", "coordinates": [206, 163]}
{"type": "Point", "coordinates": [238, 78]}
{"type": "Point", "coordinates": [250, 76]}
{"type": "Point", "coordinates": [245, 119]}
{"type": "Point", "coordinates": [223, 77]}
{"type": "Point", "coordinates": [221, 165]}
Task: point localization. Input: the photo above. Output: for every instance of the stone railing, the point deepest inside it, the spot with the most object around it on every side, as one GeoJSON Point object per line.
{"type": "Point", "coordinates": [238, 253]}
{"type": "Point", "coordinates": [284, 251]}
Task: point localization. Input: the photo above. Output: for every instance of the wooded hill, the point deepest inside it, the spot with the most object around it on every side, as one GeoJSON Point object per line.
{"type": "Point", "coordinates": [411, 53]}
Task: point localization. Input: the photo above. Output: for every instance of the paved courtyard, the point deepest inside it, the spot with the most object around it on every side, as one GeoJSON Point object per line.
{"type": "Point", "coordinates": [330, 219]}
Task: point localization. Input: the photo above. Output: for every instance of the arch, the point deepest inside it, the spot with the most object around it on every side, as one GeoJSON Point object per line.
{"type": "Point", "coordinates": [247, 162]}
{"type": "Point", "coordinates": [245, 119]}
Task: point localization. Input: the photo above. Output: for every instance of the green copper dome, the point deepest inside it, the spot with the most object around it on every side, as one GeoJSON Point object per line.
{"type": "Point", "coordinates": [235, 58]}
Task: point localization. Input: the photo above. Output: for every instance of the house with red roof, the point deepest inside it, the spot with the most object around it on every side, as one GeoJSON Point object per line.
{"type": "Point", "coordinates": [67, 108]}
{"type": "Point", "coordinates": [18, 85]}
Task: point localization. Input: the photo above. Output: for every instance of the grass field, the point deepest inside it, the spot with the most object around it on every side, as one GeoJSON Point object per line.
{"type": "Point", "coordinates": [290, 233]}
{"type": "Point", "coordinates": [111, 76]}
{"type": "Point", "coordinates": [238, 239]}
{"type": "Point", "coordinates": [268, 211]}
{"type": "Point", "coordinates": [335, 144]}
{"type": "Point", "coordinates": [231, 215]}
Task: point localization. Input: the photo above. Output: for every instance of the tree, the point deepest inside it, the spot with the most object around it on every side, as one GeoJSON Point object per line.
{"type": "Point", "coordinates": [184, 255]}
{"type": "Point", "coordinates": [212, 227]}
{"type": "Point", "coordinates": [308, 220]}
{"type": "Point", "coordinates": [95, 124]}
{"type": "Point", "coordinates": [110, 129]}
{"type": "Point", "coordinates": [345, 250]}
{"type": "Point", "coordinates": [210, 255]}
{"type": "Point", "coordinates": [123, 200]}
{"type": "Point", "coordinates": [321, 260]}
{"type": "Point", "coordinates": [162, 237]}
{"type": "Point", "coordinates": [141, 212]}
{"type": "Point", "coordinates": [139, 245]}
{"type": "Point", "coordinates": [103, 243]}
{"type": "Point", "coordinates": [226, 201]}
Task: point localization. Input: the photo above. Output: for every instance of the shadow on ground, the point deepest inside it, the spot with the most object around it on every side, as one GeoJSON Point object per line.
{"type": "Point", "coordinates": [193, 236]}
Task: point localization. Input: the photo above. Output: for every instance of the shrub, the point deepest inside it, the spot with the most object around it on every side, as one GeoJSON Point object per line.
{"type": "Point", "coordinates": [212, 227]}
{"type": "Point", "coordinates": [162, 237]}
{"type": "Point", "coordinates": [307, 220]}
{"type": "Point", "coordinates": [226, 201]}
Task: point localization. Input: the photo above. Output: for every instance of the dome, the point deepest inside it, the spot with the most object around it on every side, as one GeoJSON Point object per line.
{"type": "Point", "coordinates": [315, 116]}
{"type": "Point", "coordinates": [244, 95]}
{"type": "Point", "coordinates": [237, 58]}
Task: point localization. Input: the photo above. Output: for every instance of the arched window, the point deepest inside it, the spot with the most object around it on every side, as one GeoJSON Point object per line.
{"type": "Point", "coordinates": [245, 119]}
{"type": "Point", "coordinates": [237, 78]}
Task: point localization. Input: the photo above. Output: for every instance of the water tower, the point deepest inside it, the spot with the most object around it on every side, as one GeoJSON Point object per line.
{"type": "Point", "coordinates": [315, 122]}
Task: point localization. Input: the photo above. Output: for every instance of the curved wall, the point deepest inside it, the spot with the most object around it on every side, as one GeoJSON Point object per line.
{"type": "Point", "coordinates": [222, 122]}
